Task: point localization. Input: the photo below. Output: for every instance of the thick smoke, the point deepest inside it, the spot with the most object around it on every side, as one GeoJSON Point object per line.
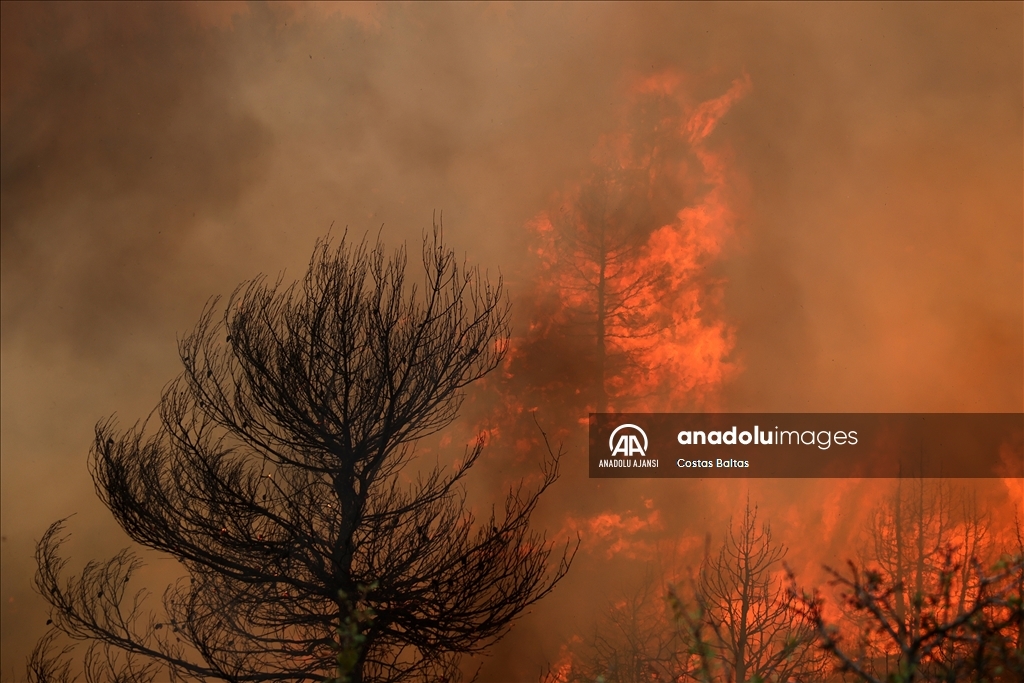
{"type": "Point", "coordinates": [154, 155]}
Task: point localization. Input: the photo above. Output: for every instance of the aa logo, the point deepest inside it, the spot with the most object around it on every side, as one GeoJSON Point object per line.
{"type": "Point", "coordinates": [628, 443]}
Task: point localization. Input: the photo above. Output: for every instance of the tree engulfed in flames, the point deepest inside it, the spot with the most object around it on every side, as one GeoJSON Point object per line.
{"type": "Point", "coordinates": [936, 596]}
{"type": "Point", "coordinates": [623, 302]}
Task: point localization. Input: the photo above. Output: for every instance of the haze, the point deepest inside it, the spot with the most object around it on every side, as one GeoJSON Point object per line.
{"type": "Point", "coordinates": [154, 155]}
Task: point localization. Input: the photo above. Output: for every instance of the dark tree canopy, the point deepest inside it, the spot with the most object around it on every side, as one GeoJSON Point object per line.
{"type": "Point", "coordinates": [281, 474]}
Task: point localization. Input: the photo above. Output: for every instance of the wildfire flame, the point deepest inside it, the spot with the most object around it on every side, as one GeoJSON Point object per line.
{"type": "Point", "coordinates": [622, 259]}
{"type": "Point", "coordinates": [623, 314]}
{"type": "Point", "coordinates": [627, 534]}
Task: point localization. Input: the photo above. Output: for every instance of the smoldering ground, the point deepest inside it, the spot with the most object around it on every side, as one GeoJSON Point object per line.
{"type": "Point", "coordinates": [154, 155]}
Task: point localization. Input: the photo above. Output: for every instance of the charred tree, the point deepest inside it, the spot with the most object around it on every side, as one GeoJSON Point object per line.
{"type": "Point", "coordinates": [742, 627]}
{"type": "Point", "coordinates": [281, 474]}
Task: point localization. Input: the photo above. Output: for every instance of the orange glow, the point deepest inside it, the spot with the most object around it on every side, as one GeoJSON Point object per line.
{"type": "Point", "coordinates": [622, 258]}
{"type": "Point", "coordinates": [628, 534]}
{"type": "Point", "coordinates": [561, 670]}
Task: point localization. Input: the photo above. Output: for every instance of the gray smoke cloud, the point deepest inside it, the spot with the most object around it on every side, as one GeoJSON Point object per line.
{"type": "Point", "coordinates": [156, 154]}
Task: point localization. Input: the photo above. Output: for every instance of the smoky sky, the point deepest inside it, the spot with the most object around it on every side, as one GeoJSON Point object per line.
{"type": "Point", "coordinates": [154, 155]}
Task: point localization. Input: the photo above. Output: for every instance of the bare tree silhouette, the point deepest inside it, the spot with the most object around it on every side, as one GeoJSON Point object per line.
{"type": "Point", "coordinates": [281, 474]}
{"type": "Point", "coordinates": [732, 622]}
{"type": "Point", "coordinates": [635, 641]}
{"type": "Point", "coordinates": [740, 622]}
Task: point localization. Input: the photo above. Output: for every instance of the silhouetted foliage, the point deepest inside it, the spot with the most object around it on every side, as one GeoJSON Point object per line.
{"type": "Point", "coordinates": [281, 474]}
{"type": "Point", "coordinates": [952, 640]}
{"type": "Point", "coordinates": [916, 534]}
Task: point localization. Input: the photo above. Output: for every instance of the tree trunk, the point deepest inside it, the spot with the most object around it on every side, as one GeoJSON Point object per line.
{"type": "Point", "coordinates": [601, 398]}
{"type": "Point", "coordinates": [901, 606]}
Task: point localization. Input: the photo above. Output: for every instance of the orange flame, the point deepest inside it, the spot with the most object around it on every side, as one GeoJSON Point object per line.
{"type": "Point", "coordinates": [561, 670]}
{"type": "Point", "coordinates": [618, 260]}
{"type": "Point", "coordinates": [630, 535]}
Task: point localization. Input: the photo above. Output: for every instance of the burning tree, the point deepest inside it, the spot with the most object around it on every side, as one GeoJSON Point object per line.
{"type": "Point", "coordinates": [279, 475]}
{"type": "Point", "coordinates": [734, 622]}
{"type": "Point", "coordinates": [608, 285]}
{"type": "Point", "coordinates": [600, 241]}
{"type": "Point", "coordinates": [927, 602]}
{"type": "Point", "coordinates": [622, 296]}
{"type": "Point", "coordinates": [952, 639]}
{"type": "Point", "coordinates": [917, 535]}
